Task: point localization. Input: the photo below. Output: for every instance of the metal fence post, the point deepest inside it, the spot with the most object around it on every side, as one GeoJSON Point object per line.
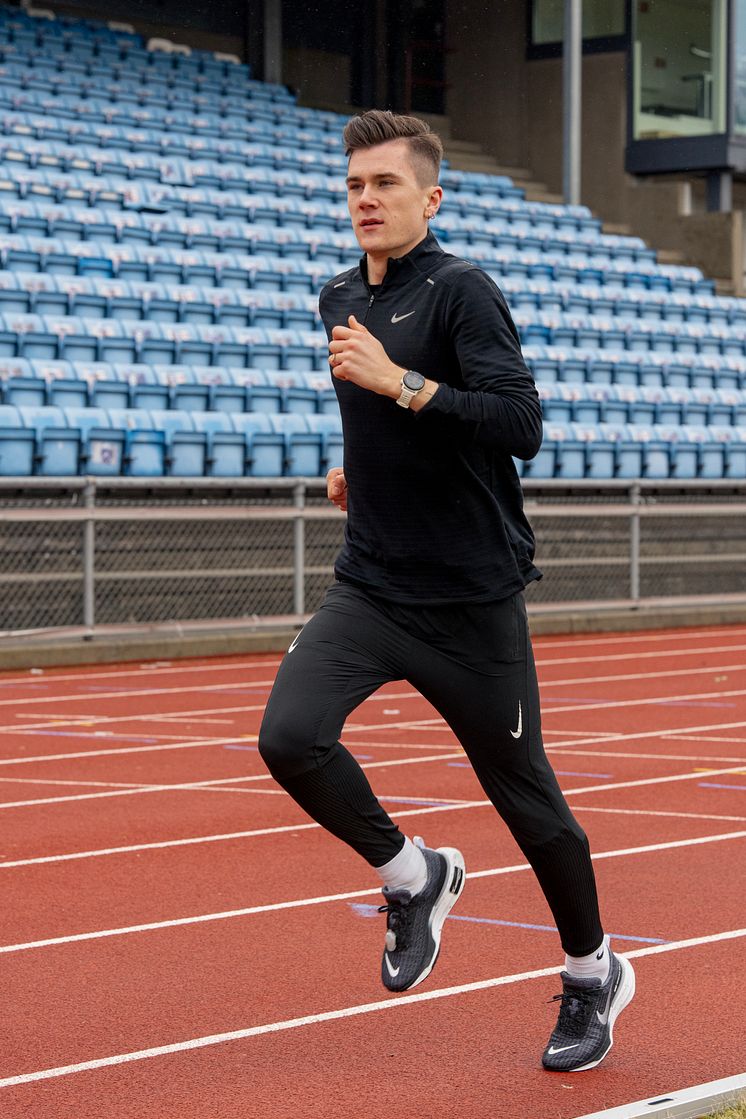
{"type": "Point", "coordinates": [299, 550]}
{"type": "Point", "coordinates": [89, 550]}
{"type": "Point", "coordinates": [634, 545]}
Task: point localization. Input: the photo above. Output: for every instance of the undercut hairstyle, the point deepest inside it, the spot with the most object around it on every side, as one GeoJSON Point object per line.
{"type": "Point", "coordinates": [379, 126]}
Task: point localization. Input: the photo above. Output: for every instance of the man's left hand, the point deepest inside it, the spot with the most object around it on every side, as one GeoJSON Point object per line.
{"type": "Point", "coordinates": [356, 355]}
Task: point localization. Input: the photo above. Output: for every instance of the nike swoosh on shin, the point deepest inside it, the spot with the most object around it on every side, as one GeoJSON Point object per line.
{"type": "Point", "coordinates": [393, 971]}
{"type": "Point", "coordinates": [517, 733]}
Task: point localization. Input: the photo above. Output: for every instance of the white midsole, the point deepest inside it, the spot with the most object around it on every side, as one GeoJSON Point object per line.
{"type": "Point", "coordinates": [444, 904]}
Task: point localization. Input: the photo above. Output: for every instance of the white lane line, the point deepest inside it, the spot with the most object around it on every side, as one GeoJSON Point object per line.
{"type": "Point", "coordinates": [634, 754]}
{"type": "Point", "coordinates": [51, 720]}
{"type": "Point", "coordinates": [707, 738]}
{"type": "Point", "coordinates": [141, 669]}
{"type": "Point", "coordinates": [208, 785]}
{"type": "Point", "coordinates": [654, 812]}
{"type": "Point", "coordinates": [642, 734]}
{"type": "Point", "coordinates": [125, 750]}
{"type": "Point", "coordinates": [289, 828]}
{"type": "Point", "coordinates": [344, 1012]}
{"type": "Point", "coordinates": [641, 637]}
{"type": "Point", "coordinates": [301, 903]}
{"type": "Point", "coordinates": [251, 663]}
{"type": "Point", "coordinates": [545, 683]}
{"type": "Point", "coordinates": [640, 655]}
{"type": "Point", "coordinates": [90, 697]}
{"type": "Point", "coordinates": [709, 670]}
{"type": "Point", "coordinates": [610, 738]}
{"type": "Point", "coordinates": [280, 829]}
{"type": "Point", "coordinates": [683, 699]}
{"type": "Point", "coordinates": [385, 764]}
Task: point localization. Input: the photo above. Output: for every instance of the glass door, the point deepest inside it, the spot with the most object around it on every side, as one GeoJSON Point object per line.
{"type": "Point", "coordinates": [679, 59]}
{"type": "Point", "coordinates": [739, 115]}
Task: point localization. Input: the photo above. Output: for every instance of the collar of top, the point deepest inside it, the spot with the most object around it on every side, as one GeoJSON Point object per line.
{"type": "Point", "coordinates": [400, 268]}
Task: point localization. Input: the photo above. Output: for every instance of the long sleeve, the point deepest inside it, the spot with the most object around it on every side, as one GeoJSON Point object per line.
{"type": "Point", "coordinates": [500, 397]}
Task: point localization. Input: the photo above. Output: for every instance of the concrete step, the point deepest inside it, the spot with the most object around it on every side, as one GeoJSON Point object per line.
{"type": "Point", "coordinates": [539, 193]}
{"type": "Point", "coordinates": [472, 161]}
{"type": "Point", "coordinates": [465, 147]}
{"type": "Point", "coordinates": [617, 228]}
{"type": "Point", "coordinates": [439, 124]}
{"type": "Point", "coordinates": [671, 256]}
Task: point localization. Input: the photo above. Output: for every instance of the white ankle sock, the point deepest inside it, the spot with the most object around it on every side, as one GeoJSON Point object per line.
{"type": "Point", "coordinates": [593, 966]}
{"type": "Point", "coordinates": [406, 871]}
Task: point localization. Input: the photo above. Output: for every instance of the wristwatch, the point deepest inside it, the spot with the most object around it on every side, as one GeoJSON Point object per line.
{"type": "Point", "coordinates": [411, 384]}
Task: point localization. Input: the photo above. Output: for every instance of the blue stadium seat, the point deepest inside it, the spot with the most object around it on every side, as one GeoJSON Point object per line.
{"type": "Point", "coordinates": [58, 446]}
{"type": "Point", "coordinates": [144, 446]}
{"type": "Point", "coordinates": [226, 447]}
{"type": "Point", "coordinates": [296, 395]}
{"type": "Point", "coordinates": [146, 395]}
{"type": "Point", "coordinates": [192, 397]}
{"type": "Point", "coordinates": [303, 447]}
{"type": "Point", "coordinates": [25, 390]}
{"type": "Point", "coordinates": [265, 447]}
{"type": "Point", "coordinates": [329, 426]}
{"type": "Point", "coordinates": [100, 447]}
{"type": "Point", "coordinates": [67, 392]}
{"type": "Point", "coordinates": [111, 394]}
{"type": "Point", "coordinates": [17, 444]}
{"type": "Point", "coordinates": [186, 447]}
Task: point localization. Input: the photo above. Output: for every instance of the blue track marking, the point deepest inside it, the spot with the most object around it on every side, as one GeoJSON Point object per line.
{"type": "Point", "coordinates": [416, 800]}
{"type": "Point", "coordinates": [238, 746]}
{"type": "Point", "coordinates": [715, 785]}
{"type": "Point", "coordinates": [364, 910]}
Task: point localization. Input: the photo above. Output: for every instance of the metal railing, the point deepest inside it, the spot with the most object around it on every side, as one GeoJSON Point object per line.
{"type": "Point", "coordinates": [84, 554]}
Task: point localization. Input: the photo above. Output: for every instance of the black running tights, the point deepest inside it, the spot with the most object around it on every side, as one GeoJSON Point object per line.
{"type": "Point", "coordinates": [348, 650]}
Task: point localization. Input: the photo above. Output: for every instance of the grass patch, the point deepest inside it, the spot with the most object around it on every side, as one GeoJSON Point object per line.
{"type": "Point", "coordinates": [736, 1111]}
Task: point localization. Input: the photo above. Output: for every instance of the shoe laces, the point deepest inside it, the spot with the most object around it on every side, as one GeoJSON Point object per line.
{"type": "Point", "coordinates": [397, 921]}
{"type": "Point", "coordinates": [575, 1007]}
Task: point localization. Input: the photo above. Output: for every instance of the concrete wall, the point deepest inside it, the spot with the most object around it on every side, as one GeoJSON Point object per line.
{"type": "Point", "coordinates": [487, 98]}
{"type": "Point", "coordinates": [513, 105]}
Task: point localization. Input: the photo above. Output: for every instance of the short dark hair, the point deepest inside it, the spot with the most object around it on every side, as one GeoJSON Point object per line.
{"type": "Point", "coordinates": [378, 126]}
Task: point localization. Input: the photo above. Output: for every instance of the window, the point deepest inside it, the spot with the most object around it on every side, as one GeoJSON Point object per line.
{"type": "Point", "coordinates": [739, 115]}
{"type": "Point", "coordinates": [602, 19]}
{"type": "Point", "coordinates": [679, 57]}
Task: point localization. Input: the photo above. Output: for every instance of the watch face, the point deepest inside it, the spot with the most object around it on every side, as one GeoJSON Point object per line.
{"type": "Point", "coordinates": [413, 381]}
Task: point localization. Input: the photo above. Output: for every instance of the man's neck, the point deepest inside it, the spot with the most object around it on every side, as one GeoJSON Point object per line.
{"type": "Point", "coordinates": [376, 269]}
{"type": "Point", "coordinates": [377, 265]}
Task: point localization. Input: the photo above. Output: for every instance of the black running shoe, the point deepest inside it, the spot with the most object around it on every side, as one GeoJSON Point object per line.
{"type": "Point", "coordinates": [413, 924]}
{"type": "Point", "coordinates": [588, 1010]}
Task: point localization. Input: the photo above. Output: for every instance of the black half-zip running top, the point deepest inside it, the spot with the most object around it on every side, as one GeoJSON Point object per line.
{"type": "Point", "coordinates": [434, 503]}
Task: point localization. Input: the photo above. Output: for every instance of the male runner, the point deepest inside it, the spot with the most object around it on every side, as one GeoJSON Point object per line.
{"type": "Point", "coordinates": [435, 400]}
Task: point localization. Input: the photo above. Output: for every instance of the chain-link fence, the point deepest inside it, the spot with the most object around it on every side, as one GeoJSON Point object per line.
{"type": "Point", "coordinates": [85, 552]}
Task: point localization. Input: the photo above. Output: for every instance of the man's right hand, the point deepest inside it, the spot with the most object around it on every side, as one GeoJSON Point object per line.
{"type": "Point", "coordinates": [336, 488]}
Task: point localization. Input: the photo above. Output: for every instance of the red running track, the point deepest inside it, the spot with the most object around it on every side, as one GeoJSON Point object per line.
{"type": "Point", "coordinates": [180, 942]}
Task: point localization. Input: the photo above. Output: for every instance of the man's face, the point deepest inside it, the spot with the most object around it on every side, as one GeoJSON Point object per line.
{"type": "Point", "coordinates": [387, 204]}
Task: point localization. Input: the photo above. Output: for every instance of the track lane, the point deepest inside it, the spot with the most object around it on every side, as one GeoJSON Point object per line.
{"type": "Point", "coordinates": [631, 887]}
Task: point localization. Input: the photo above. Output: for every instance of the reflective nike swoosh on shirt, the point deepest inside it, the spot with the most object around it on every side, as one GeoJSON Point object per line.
{"type": "Point", "coordinates": [393, 971]}
{"type": "Point", "coordinates": [398, 318]}
{"type": "Point", "coordinates": [294, 642]}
